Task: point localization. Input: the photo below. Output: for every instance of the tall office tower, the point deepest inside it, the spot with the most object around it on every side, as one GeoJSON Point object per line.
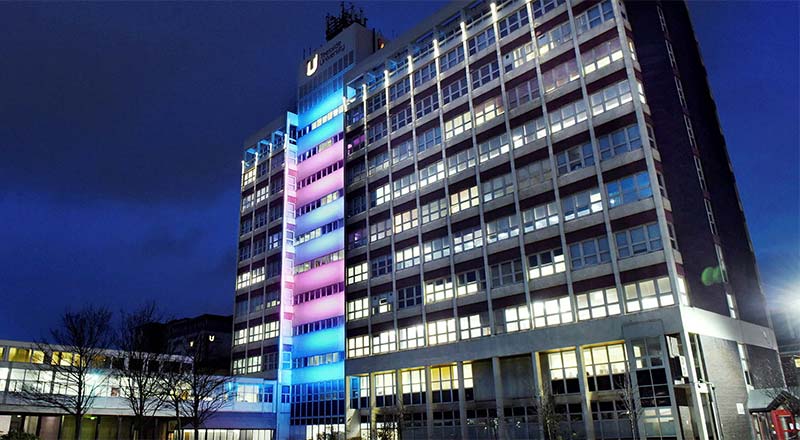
{"type": "Point", "coordinates": [289, 312]}
{"type": "Point", "coordinates": [543, 232]}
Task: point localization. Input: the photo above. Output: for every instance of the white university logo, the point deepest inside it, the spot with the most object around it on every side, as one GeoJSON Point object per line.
{"type": "Point", "coordinates": [311, 65]}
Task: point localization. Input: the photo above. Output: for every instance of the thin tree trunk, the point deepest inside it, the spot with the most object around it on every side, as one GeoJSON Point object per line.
{"type": "Point", "coordinates": [78, 426]}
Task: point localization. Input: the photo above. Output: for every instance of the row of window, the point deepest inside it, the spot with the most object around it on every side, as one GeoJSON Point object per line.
{"type": "Point", "coordinates": [587, 20]}
{"type": "Point", "coordinates": [635, 297]}
{"type": "Point", "coordinates": [256, 333]}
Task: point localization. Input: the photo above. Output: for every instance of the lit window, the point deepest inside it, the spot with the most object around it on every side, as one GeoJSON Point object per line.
{"type": "Point", "coordinates": [648, 294]}
{"type": "Point", "coordinates": [552, 312]}
{"type": "Point", "coordinates": [412, 337]}
{"type": "Point", "coordinates": [357, 309]}
{"type": "Point", "coordinates": [517, 318]}
{"type": "Point", "coordinates": [357, 273]}
{"type": "Point", "coordinates": [546, 263]}
{"type": "Point", "coordinates": [384, 342]}
{"type": "Point", "coordinates": [442, 331]}
{"type": "Point", "coordinates": [598, 304]}
{"type": "Point", "coordinates": [473, 326]}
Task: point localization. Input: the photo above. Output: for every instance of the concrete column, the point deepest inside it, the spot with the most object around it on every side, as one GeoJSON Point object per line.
{"type": "Point", "coordinates": [538, 389]}
{"type": "Point", "coordinates": [498, 397]}
{"type": "Point", "coordinates": [429, 406]}
{"type": "Point", "coordinates": [462, 398]}
{"type": "Point", "coordinates": [588, 420]}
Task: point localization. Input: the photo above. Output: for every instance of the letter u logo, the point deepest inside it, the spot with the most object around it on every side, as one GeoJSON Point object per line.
{"type": "Point", "coordinates": [311, 65]}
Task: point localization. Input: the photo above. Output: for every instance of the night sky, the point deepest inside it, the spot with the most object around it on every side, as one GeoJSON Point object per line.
{"type": "Point", "coordinates": [121, 129]}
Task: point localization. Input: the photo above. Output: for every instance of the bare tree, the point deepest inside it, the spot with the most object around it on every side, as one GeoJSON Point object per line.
{"type": "Point", "coordinates": [141, 381]}
{"type": "Point", "coordinates": [193, 391]}
{"type": "Point", "coordinates": [629, 397]}
{"type": "Point", "coordinates": [548, 417]}
{"type": "Point", "coordinates": [776, 389]}
{"type": "Point", "coordinates": [174, 390]}
{"type": "Point", "coordinates": [78, 350]}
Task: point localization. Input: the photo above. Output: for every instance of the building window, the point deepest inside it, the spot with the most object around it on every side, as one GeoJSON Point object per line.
{"type": "Point", "coordinates": [567, 116]}
{"type": "Point", "coordinates": [467, 239]}
{"type": "Point", "coordinates": [528, 132]}
{"type": "Point", "coordinates": [401, 118]}
{"type": "Point", "coordinates": [552, 312]}
{"type": "Point", "coordinates": [376, 102]}
{"type": "Point", "coordinates": [442, 331]}
{"type": "Point", "coordinates": [522, 93]}
{"type": "Point", "coordinates": [358, 346]}
{"type": "Point", "coordinates": [381, 265]}
{"type": "Point", "coordinates": [464, 199]}
{"type": "Point", "coordinates": [533, 173]}
{"type": "Point", "coordinates": [575, 158]}
{"type": "Point", "coordinates": [384, 389]}
{"type": "Point", "coordinates": [429, 139]}
{"type": "Point", "coordinates": [384, 342]}
{"type": "Point", "coordinates": [402, 151]}
{"type": "Point", "coordinates": [581, 204]}
{"type": "Point", "coordinates": [459, 124]}
{"type": "Point", "coordinates": [439, 289]}
{"type": "Point", "coordinates": [461, 161]}
{"type": "Point", "coordinates": [610, 97]}
{"type": "Point", "coordinates": [470, 282]}
{"type": "Point", "coordinates": [377, 163]}
{"type": "Point", "coordinates": [484, 74]}
{"type": "Point", "coordinates": [638, 240]}
{"type": "Point", "coordinates": [356, 204]}
{"type": "Point", "coordinates": [541, 7]}
{"type": "Point", "coordinates": [380, 229]}
{"type": "Point", "coordinates": [540, 217]}
{"type": "Point", "coordinates": [407, 258]}
{"type": "Point", "coordinates": [648, 294]}
{"type": "Point", "coordinates": [629, 189]}
{"type": "Point", "coordinates": [605, 367]}
{"type": "Point", "coordinates": [381, 303]}
{"type": "Point", "coordinates": [710, 215]}
{"type": "Point", "coordinates": [598, 304]}
{"type": "Point", "coordinates": [745, 365]}
{"type": "Point", "coordinates": [589, 253]}
{"type": "Point", "coordinates": [619, 142]}
{"type": "Point", "coordinates": [405, 220]}
{"type": "Point", "coordinates": [357, 273]}
{"type": "Point", "coordinates": [426, 105]}
{"type": "Point", "coordinates": [357, 309]}
{"type": "Point", "coordinates": [444, 383]}
{"type": "Point", "coordinates": [409, 297]}
{"type": "Point", "coordinates": [546, 263]}
{"type": "Point", "coordinates": [560, 75]}
{"type": "Point", "coordinates": [506, 273]}
{"type": "Point", "coordinates": [412, 337]}
{"type": "Point", "coordinates": [563, 368]}
{"type": "Point", "coordinates": [517, 318]}
{"type": "Point", "coordinates": [513, 22]}
{"type": "Point", "coordinates": [431, 174]}
{"type": "Point", "coordinates": [454, 90]}
{"type": "Point", "coordinates": [424, 74]}
{"type": "Point", "coordinates": [488, 110]}
{"type": "Point", "coordinates": [497, 187]}
{"type": "Point", "coordinates": [731, 305]}
{"type": "Point", "coordinates": [594, 16]}
{"type": "Point", "coordinates": [436, 248]}
{"type": "Point", "coordinates": [399, 89]}
{"type": "Point", "coordinates": [601, 55]}
{"type": "Point", "coordinates": [502, 228]}
{"type": "Point", "coordinates": [481, 41]}
{"type": "Point", "coordinates": [414, 386]}
{"type": "Point", "coordinates": [376, 131]}
{"type": "Point", "coordinates": [380, 195]}
{"type": "Point", "coordinates": [554, 38]}
{"type": "Point", "coordinates": [451, 59]}
{"type": "Point", "coordinates": [493, 147]}
{"type": "Point", "coordinates": [405, 185]}
{"type": "Point", "coordinates": [473, 326]}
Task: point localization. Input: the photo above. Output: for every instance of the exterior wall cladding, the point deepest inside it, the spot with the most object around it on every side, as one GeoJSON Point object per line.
{"type": "Point", "coordinates": [512, 208]}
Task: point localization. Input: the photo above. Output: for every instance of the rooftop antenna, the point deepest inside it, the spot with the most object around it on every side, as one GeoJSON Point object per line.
{"type": "Point", "coordinates": [348, 15]}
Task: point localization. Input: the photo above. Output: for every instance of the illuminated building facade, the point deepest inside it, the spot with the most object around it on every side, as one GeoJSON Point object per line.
{"type": "Point", "coordinates": [503, 223]}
